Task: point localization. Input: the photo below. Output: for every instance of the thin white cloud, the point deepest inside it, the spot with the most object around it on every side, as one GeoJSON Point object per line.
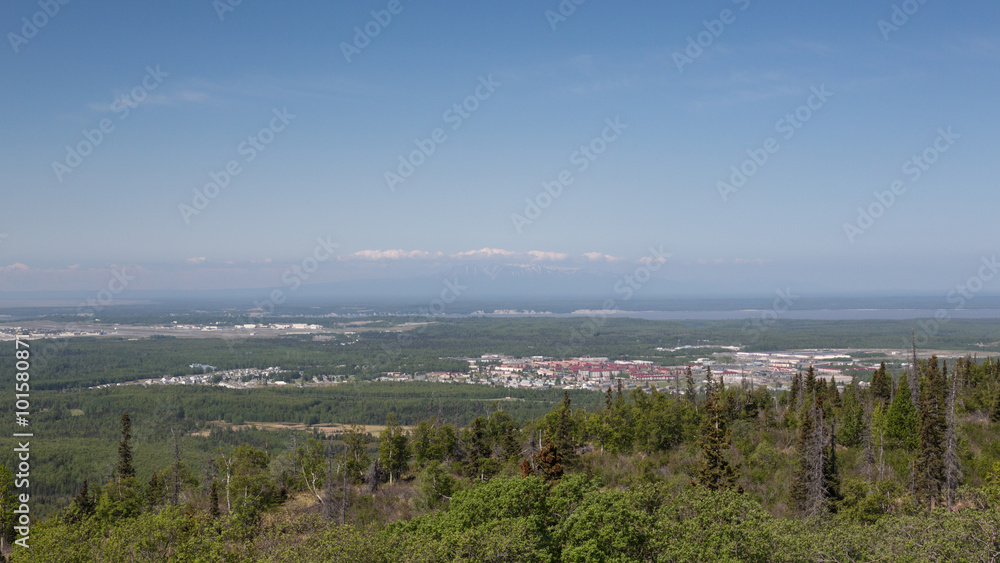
{"type": "Point", "coordinates": [17, 267]}
{"type": "Point", "coordinates": [547, 256]}
{"type": "Point", "coordinates": [485, 253]}
{"type": "Point", "coordinates": [651, 260]}
{"type": "Point", "coordinates": [480, 254]}
{"type": "Point", "coordinates": [196, 260]}
{"type": "Point", "coordinates": [599, 257]}
{"type": "Point", "coordinates": [395, 254]}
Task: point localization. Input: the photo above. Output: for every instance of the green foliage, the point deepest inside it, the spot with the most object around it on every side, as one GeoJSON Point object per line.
{"type": "Point", "coordinates": [435, 487]}
{"type": "Point", "coordinates": [715, 471]}
{"type": "Point", "coordinates": [393, 448]}
{"type": "Point", "coordinates": [702, 525]}
{"type": "Point", "coordinates": [901, 419]}
{"type": "Point", "coordinates": [881, 386]}
{"type": "Point", "coordinates": [852, 429]}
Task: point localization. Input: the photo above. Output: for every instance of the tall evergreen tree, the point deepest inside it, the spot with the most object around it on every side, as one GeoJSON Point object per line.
{"type": "Point", "coordinates": [810, 382]}
{"type": "Point", "coordinates": [125, 469]}
{"type": "Point", "coordinates": [815, 483]}
{"type": "Point", "coordinates": [995, 408]}
{"type": "Point", "coordinates": [930, 477]}
{"type": "Point", "coordinates": [913, 375]}
{"type": "Point", "coordinates": [83, 504]}
{"type": "Point", "coordinates": [795, 392]}
{"type": "Point", "coordinates": [213, 500]}
{"type": "Point", "coordinates": [689, 390]}
{"type": "Point", "coordinates": [799, 490]}
{"type": "Point", "coordinates": [477, 450]}
{"type": "Point", "coordinates": [901, 418]}
{"type": "Point", "coordinates": [881, 387]}
{"type": "Point", "coordinates": [952, 466]}
{"type": "Point", "coordinates": [853, 428]}
{"type": "Point", "coordinates": [154, 491]}
{"type": "Point", "coordinates": [715, 472]}
{"type": "Point", "coordinates": [834, 393]}
{"type": "Point", "coordinates": [831, 477]}
{"type": "Point", "coordinates": [175, 485]}
{"type": "Point", "coordinates": [564, 437]}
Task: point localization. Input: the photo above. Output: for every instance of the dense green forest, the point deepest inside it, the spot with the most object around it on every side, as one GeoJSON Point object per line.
{"type": "Point", "coordinates": [906, 469]}
{"type": "Point", "coordinates": [81, 425]}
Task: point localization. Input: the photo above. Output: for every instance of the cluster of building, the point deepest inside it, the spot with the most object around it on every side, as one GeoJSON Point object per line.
{"type": "Point", "coordinates": [773, 370]}
{"type": "Point", "coordinates": [10, 332]}
{"type": "Point", "coordinates": [246, 378]}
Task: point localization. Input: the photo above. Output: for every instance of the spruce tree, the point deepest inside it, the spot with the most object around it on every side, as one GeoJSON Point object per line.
{"type": "Point", "coordinates": [795, 392]}
{"type": "Point", "coordinates": [689, 391]}
{"type": "Point", "coordinates": [995, 408]}
{"type": "Point", "coordinates": [931, 430]}
{"type": "Point", "coordinates": [715, 472]}
{"type": "Point", "coordinates": [853, 429]}
{"type": "Point", "coordinates": [810, 381]}
{"type": "Point", "coordinates": [880, 385]}
{"type": "Point", "coordinates": [799, 490]}
{"type": "Point", "coordinates": [831, 478]}
{"type": "Point", "coordinates": [83, 504]}
{"type": "Point", "coordinates": [815, 482]}
{"type": "Point", "coordinates": [901, 419]}
{"type": "Point", "coordinates": [125, 469]}
{"type": "Point", "coordinates": [564, 438]}
{"type": "Point", "coordinates": [952, 467]}
{"type": "Point", "coordinates": [213, 500]}
{"type": "Point", "coordinates": [154, 491]}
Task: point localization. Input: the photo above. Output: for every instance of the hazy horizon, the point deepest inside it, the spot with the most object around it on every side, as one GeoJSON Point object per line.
{"type": "Point", "coordinates": [729, 148]}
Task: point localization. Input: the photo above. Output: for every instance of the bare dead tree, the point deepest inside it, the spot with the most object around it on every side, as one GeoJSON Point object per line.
{"type": "Point", "coordinates": [866, 440]}
{"type": "Point", "coordinates": [913, 375]}
{"type": "Point", "coordinates": [328, 504]}
{"type": "Point", "coordinates": [176, 477]}
{"type": "Point", "coordinates": [374, 476]}
{"type": "Point", "coordinates": [816, 458]}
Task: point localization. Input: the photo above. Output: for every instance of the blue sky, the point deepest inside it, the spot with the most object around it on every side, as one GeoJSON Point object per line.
{"type": "Point", "coordinates": [202, 84]}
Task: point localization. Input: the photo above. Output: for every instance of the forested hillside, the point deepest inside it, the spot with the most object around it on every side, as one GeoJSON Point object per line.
{"type": "Point", "coordinates": [907, 469]}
